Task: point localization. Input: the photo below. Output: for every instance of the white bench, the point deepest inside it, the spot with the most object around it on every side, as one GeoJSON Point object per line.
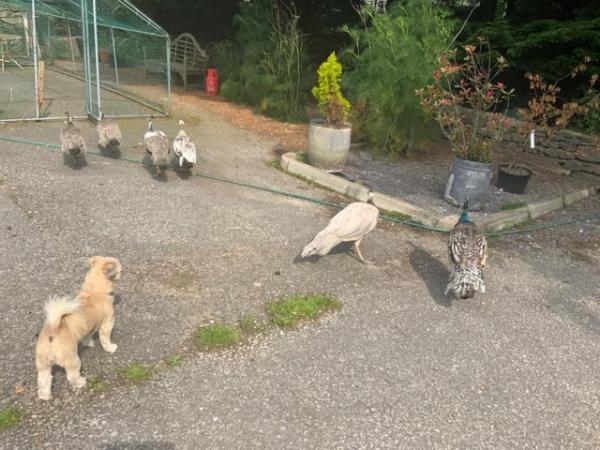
{"type": "Point", "coordinates": [187, 58]}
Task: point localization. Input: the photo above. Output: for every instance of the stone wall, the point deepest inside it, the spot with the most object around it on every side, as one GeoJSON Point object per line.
{"type": "Point", "coordinates": [577, 152]}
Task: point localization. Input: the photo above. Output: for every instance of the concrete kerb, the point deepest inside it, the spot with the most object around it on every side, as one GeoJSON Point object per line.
{"type": "Point", "coordinates": [574, 197]}
{"type": "Point", "coordinates": [357, 191]}
{"type": "Point", "coordinates": [505, 219]}
{"type": "Point", "coordinates": [494, 222]}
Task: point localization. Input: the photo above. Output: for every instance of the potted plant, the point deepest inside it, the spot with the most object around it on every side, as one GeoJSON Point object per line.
{"type": "Point", "coordinates": [329, 138]}
{"type": "Point", "coordinates": [469, 103]}
{"type": "Point", "coordinates": [540, 119]}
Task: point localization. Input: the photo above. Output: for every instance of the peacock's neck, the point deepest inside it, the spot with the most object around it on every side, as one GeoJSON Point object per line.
{"type": "Point", "coordinates": [464, 217]}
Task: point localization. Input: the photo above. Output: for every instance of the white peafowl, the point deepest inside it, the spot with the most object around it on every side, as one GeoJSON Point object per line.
{"type": "Point", "coordinates": [184, 148]}
{"type": "Point", "coordinates": [157, 146]}
{"type": "Point", "coordinates": [71, 140]}
{"type": "Point", "coordinates": [351, 224]}
{"type": "Point", "coordinates": [467, 249]}
{"type": "Point", "coordinates": [109, 133]}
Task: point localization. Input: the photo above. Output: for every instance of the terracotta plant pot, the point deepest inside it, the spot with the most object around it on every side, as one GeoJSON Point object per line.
{"type": "Point", "coordinates": [513, 179]}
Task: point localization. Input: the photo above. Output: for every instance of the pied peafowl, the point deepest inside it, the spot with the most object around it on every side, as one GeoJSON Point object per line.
{"type": "Point", "coordinates": [352, 223]}
{"type": "Point", "coordinates": [157, 146]}
{"type": "Point", "coordinates": [71, 140]}
{"type": "Point", "coordinates": [184, 149]}
{"type": "Point", "coordinates": [109, 133]}
{"type": "Point", "coordinates": [467, 249]}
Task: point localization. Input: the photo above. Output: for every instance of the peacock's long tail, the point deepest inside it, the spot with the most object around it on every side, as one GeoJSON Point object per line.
{"type": "Point", "coordinates": [465, 281]}
{"type": "Point", "coordinates": [321, 244]}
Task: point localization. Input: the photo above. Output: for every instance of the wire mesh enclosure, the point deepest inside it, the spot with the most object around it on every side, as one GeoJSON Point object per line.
{"type": "Point", "coordinates": [83, 56]}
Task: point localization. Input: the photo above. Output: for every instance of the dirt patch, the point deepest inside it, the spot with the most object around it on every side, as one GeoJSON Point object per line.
{"type": "Point", "coordinates": [421, 181]}
{"type": "Point", "coordinates": [291, 135]}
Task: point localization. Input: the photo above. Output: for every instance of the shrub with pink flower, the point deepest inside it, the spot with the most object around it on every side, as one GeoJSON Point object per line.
{"type": "Point", "coordinates": [468, 101]}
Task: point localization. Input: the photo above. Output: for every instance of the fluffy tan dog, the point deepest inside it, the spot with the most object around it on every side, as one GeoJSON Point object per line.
{"type": "Point", "coordinates": [69, 321]}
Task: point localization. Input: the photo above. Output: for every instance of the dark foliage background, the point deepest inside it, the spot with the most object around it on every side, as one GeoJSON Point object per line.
{"type": "Point", "coordinates": [545, 36]}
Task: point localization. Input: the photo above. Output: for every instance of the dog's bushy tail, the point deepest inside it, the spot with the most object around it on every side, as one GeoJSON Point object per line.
{"type": "Point", "coordinates": [58, 307]}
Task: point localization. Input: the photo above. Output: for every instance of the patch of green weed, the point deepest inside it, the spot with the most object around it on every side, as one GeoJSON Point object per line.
{"type": "Point", "coordinates": [274, 163]}
{"type": "Point", "coordinates": [216, 336]}
{"type": "Point", "coordinates": [10, 417]}
{"type": "Point", "coordinates": [396, 216]}
{"type": "Point", "coordinates": [174, 361]}
{"type": "Point", "coordinates": [95, 384]}
{"type": "Point", "coordinates": [135, 372]}
{"type": "Point", "coordinates": [249, 324]}
{"type": "Point", "coordinates": [512, 205]}
{"type": "Point", "coordinates": [289, 311]}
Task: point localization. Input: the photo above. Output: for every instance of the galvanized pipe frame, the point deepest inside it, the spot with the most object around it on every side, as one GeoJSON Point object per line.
{"type": "Point", "coordinates": [98, 104]}
{"type": "Point", "coordinates": [160, 110]}
{"type": "Point", "coordinates": [62, 119]}
{"type": "Point", "coordinates": [88, 83]}
{"type": "Point", "coordinates": [35, 60]}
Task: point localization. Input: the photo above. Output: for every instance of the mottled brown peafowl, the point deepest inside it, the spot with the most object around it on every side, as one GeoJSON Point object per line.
{"type": "Point", "coordinates": [109, 133]}
{"type": "Point", "coordinates": [467, 249]}
{"type": "Point", "coordinates": [71, 140]}
{"type": "Point", "coordinates": [157, 146]}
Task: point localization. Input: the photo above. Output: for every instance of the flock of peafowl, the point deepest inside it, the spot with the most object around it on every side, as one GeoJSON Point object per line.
{"type": "Point", "coordinates": [157, 144]}
{"type": "Point", "coordinates": [467, 246]}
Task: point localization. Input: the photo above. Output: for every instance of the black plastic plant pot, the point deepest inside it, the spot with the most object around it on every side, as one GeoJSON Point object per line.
{"type": "Point", "coordinates": [513, 179]}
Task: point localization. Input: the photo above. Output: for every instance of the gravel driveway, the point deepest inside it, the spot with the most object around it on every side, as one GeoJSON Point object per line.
{"type": "Point", "coordinates": [400, 366]}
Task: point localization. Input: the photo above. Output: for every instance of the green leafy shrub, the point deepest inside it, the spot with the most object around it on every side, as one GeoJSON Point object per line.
{"type": "Point", "coordinates": [469, 81]}
{"type": "Point", "coordinates": [589, 122]}
{"type": "Point", "coordinates": [328, 93]}
{"type": "Point", "coordinates": [392, 55]}
{"type": "Point", "coordinates": [264, 65]}
{"type": "Point", "coordinates": [544, 46]}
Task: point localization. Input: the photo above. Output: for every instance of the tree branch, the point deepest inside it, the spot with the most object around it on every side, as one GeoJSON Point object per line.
{"type": "Point", "coordinates": [463, 25]}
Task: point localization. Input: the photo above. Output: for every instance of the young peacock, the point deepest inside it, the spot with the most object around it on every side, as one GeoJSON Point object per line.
{"type": "Point", "coordinates": [184, 149]}
{"type": "Point", "coordinates": [109, 133]}
{"type": "Point", "coordinates": [352, 223]}
{"type": "Point", "coordinates": [467, 249]}
{"type": "Point", "coordinates": [157, 146]}
{"type": "Point", "coordinates": [71, 140]}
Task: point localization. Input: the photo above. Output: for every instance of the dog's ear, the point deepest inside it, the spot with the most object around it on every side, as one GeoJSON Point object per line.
{"type": "Point", "coordinates": [94, 260]}
{"type": "Point", "coordinates": [111, 269]}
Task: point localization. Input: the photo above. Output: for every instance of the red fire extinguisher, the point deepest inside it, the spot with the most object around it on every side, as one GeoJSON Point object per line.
{"type": "Point", "coordinates": [211, 82]}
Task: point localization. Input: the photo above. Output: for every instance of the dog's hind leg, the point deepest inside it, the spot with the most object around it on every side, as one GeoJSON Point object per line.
{"type": "Point", "coordinates": [104, 335]}
{"type": "Point", "coordinates": [44, 379]}
{"type": "Point", "coordinates": [88, 341]}
{"type": "Point", "coordinates": [73, 369]}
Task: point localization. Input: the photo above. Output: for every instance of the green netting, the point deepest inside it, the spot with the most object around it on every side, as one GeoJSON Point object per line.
{"type": "Point", "coordinates": [81, 56]}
